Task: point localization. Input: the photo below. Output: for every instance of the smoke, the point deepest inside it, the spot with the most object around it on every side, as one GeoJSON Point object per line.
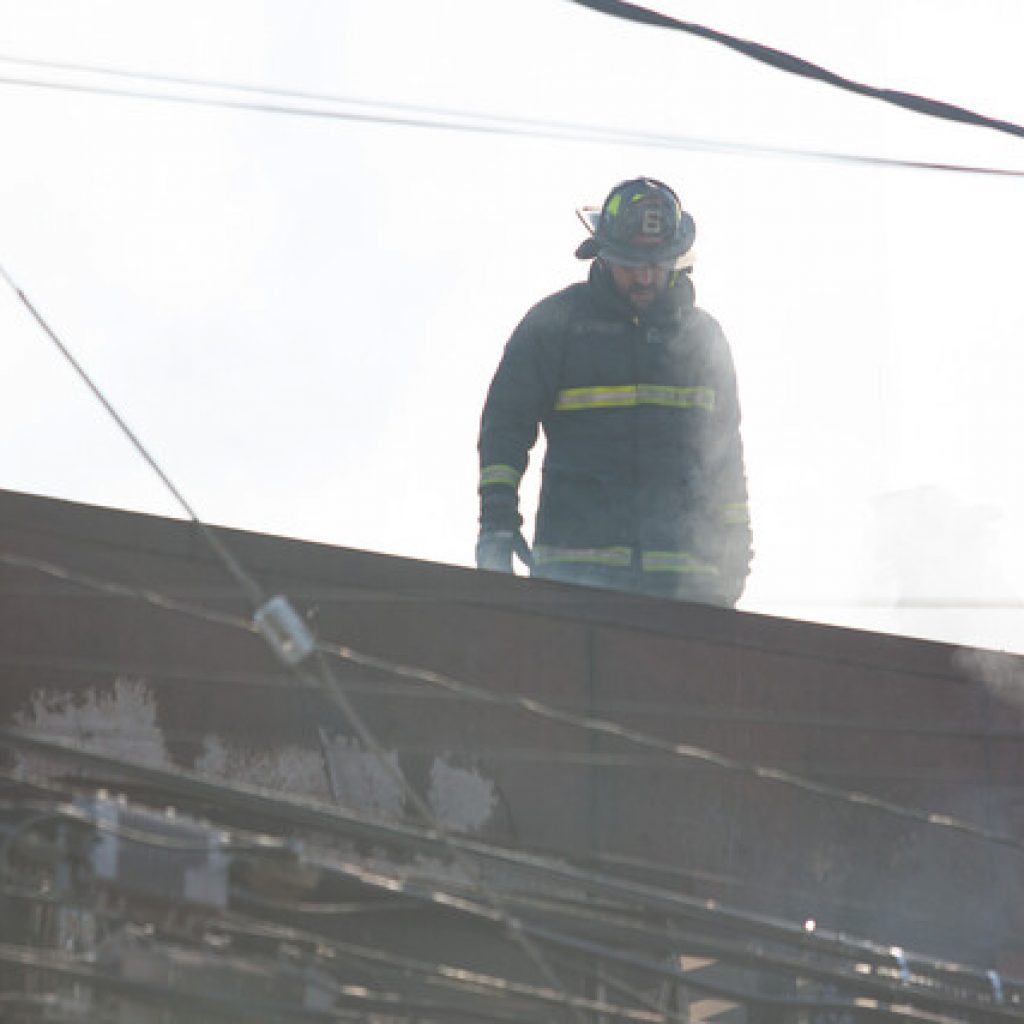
{"type": "Point", "coordinates": [931, 547]}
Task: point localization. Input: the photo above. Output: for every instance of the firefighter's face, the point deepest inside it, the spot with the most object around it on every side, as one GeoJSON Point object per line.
{"type": "Point", "coordinates": [642, 284]}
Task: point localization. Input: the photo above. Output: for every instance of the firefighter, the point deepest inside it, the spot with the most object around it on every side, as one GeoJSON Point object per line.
{"type": "Point", "coordinates": [643, 484]}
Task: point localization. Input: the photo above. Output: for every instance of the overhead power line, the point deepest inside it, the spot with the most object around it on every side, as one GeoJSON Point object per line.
{"type": "Point", "coordinates": [804, 68]}
{"type": "Point", "coordinates": [296, 103]}
{"type": "Point", "coordinates": [245, 581]}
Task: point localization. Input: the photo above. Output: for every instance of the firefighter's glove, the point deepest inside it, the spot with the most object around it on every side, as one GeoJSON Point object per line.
{"type": "Point", "coordinates": [494, 550]}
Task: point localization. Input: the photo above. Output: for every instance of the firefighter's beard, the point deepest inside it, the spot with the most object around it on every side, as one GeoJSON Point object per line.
{"type": "Point", "coordinates": [640, 287]}
{"type": "Point", "coordinates": [643, 296]}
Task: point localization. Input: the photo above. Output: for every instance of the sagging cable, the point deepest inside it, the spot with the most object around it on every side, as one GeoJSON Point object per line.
{"type": "Point", "coordinates": [357, 112]}
{"type": "Point", "coordinates": [794, 65]}
{"type": "Point", "coordinates": [275, 619]}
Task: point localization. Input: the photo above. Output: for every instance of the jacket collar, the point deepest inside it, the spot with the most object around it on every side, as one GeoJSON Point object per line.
{"type": "Point", "coordinates": [668, 309]}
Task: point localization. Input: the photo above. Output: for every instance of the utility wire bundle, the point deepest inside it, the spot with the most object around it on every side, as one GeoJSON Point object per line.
{"type": "Point", "coordinates": [113, 909]}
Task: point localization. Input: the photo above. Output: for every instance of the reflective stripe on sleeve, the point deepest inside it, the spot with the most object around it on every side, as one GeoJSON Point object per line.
{"type": "Point", "coordinates": [624, 396]}
{"type": "Point", "coordinates": [736, 513]}
{"type": "Point", "coordinates": [499, 474]}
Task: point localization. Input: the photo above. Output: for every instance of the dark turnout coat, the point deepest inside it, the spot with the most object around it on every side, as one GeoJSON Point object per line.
{"type": "Point", "coordinates": [643, 481]}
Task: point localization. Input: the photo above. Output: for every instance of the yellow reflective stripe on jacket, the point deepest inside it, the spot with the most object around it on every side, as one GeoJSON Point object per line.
{"type": "Point", "coordinates": [679, 398]}
{"type": "Point", "coordinates": [499, 474]}
{"type": "Point", "coordinates": [675, 561]}
{"type": "Point", "coordinates": [736, 513]}
{"type": "Point", "coordinates": [626, 395]}
{"type": "Point", "coordinates": [570, 399]}
{"type": "Point", "coordinates": [545, 554]}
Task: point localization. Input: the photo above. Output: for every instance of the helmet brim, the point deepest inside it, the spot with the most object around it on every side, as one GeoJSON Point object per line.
{"type": "Point", "coordinates": [678, 255]}
{"type": "Point", "coordinates": [669, 258]}
{"type": "Point", "coordinates": [588, 249]}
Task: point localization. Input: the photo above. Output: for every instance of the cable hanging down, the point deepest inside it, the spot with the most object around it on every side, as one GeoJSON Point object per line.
{"type": "Point", "coordinates": [794, 65]}
{"type": "Point", "coordinates": [240, 576]}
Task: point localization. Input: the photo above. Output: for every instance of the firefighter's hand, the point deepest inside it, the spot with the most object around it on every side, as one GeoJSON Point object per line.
{"type": "Point", "coordinates": [494, 550]}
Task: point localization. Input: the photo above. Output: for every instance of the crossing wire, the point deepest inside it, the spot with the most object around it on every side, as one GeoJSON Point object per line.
{"type": "Point", "coordinates": [682, 708]}
{"type": "Point", "coordinates": [918, 976]}
{"type": "Point", "coordinates": [361, 112]}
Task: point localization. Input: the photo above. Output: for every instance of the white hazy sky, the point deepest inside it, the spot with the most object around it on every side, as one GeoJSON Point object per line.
{"type": "Point", "coordinates": [300, 314]}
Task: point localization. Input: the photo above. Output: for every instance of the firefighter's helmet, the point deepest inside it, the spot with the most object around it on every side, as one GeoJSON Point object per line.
{"type": "Point", "coordinates": [641, 222]}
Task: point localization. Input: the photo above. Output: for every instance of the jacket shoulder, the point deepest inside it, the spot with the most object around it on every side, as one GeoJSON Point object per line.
{"type": "Point", "coordinates": [702, 322]}
{"type": "Point", "coordinates": [551, 314]}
